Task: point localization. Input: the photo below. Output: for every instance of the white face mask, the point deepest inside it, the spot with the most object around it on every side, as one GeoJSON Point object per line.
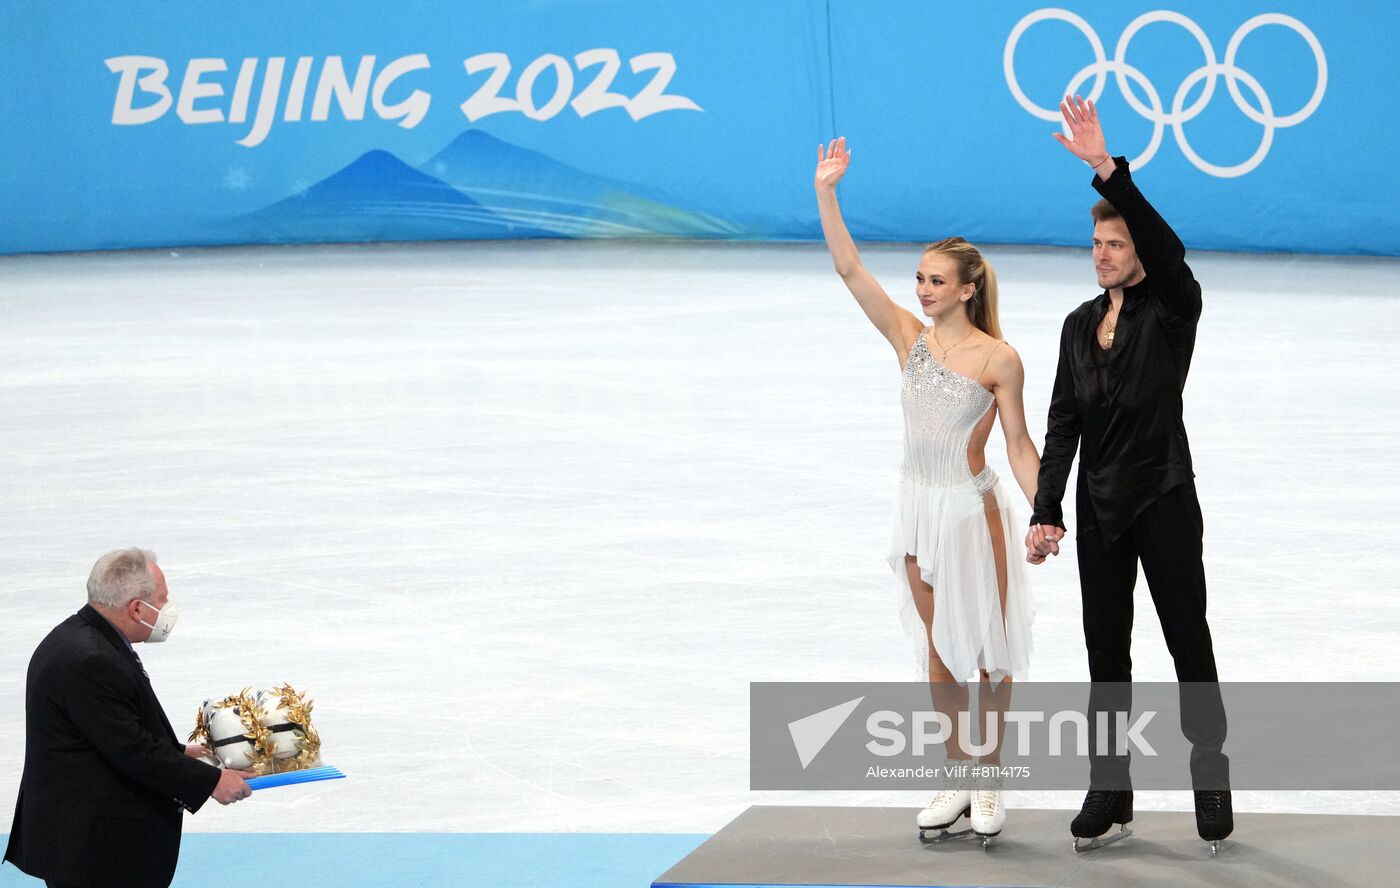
{"type": "Point", "coordinates": [164, 624]}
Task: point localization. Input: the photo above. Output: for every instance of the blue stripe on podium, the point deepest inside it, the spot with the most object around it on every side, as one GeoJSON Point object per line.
{"type": "Point", "coordinates": [421, 860]}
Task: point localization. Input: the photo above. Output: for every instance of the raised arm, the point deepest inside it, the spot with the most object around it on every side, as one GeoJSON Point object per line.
{"type": "Point", "coordinates": [1162, 253]}
{"type": "Point", "coordinates": [893, 322]}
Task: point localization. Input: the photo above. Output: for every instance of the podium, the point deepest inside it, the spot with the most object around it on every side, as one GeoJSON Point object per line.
{"type": "Point", "coordinates": [838, 847]}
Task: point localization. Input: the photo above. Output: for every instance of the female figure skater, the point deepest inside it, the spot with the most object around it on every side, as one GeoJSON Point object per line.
{"type": "Point", "coordinates": [966, 605]}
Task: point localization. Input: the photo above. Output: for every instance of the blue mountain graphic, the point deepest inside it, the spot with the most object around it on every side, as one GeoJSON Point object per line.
{"type": "Point", "coordinates": [379, 197]}
{"type": "Point", "coordinates": [534, 189]}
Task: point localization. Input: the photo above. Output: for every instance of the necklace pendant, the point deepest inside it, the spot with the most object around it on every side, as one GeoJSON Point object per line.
{"type": "Point", "coordinates": [1108, 337]}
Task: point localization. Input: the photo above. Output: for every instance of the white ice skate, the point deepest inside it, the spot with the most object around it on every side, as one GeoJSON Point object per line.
{"type": "Point", "coordinates": [988, 815]}
{"type": "Point", "coordinates": [945, 809]}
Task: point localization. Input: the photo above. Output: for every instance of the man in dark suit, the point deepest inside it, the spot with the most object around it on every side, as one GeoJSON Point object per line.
{"type": "Point", "coordinates": [1118, 400]}
{"type": "Point", "coordinates": [106, 781]}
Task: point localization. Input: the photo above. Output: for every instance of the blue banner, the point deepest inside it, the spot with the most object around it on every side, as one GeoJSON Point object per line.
{"type": "Point", "coordinates": [1253, 126]}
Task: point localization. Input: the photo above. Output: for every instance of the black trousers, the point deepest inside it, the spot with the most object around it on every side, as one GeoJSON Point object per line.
{"type": "Point", "coordinates": [1166, 539]}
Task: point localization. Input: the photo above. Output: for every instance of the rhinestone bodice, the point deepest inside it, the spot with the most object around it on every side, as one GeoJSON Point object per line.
{"type": "Point", "coordinates": [941, 408]}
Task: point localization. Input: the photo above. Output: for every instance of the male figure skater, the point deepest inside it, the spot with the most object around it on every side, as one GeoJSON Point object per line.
{"type": "Point", "coordinates": [1124, 356]}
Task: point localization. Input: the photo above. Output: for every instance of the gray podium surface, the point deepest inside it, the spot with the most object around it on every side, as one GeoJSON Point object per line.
{"type": "Point", "coordinates": [836, 846]}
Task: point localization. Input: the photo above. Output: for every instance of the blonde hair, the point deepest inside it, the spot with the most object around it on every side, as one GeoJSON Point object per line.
{"type": "Point", "coordinates": [973, 269]}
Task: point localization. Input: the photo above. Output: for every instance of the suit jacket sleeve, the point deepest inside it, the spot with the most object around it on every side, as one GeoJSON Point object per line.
{"type": "Point", "coordinates": [102, 706]}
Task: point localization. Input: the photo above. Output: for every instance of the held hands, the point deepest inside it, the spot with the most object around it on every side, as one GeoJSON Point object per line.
{"type": "Point", "coordinates": [831, 163]}
{"type": "Point", "coordinates": [1042, 540]}
{"type": "Point", "coordinates": [1087, 144]}
{"type": "Point", "coordinates": [232, 787]}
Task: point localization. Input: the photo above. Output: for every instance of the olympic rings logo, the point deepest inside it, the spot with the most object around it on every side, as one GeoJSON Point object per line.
{"type": "Point", "coordinates": [1179, 114]}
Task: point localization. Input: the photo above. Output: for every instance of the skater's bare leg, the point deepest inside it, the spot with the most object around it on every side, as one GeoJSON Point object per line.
{"type": "Point", "coordinates": [995, 700]}
{"type": "Point", "coordinates": [949, 697]}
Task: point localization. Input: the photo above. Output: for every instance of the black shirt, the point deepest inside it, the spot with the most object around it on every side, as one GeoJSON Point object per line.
{"type": "Point", "coordinates": [1121, 407]}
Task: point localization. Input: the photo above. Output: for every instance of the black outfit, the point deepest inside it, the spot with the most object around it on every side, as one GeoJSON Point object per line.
{"type": "Point", "coordinates": [1136, 500]}
{"type": "Point", "coordinates": [1122, 406]}
{"type": "Point", "coordinates": [106, 780]}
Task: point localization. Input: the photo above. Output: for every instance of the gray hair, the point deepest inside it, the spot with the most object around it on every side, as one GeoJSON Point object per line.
{"type": "Point", "coordinates": [121, 576]}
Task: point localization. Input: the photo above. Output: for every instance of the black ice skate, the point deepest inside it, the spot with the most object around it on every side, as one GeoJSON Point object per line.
{"type": "Point", "coordinates": [1215, 818]}
{"type": "Point", "coordinates": [1102, 808]}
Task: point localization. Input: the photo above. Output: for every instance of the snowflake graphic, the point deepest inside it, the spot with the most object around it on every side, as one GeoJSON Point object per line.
{"type": "Point", "coordinates": [236, 178]}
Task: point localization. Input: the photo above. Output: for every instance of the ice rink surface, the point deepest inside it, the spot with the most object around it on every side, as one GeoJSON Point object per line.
{"type": "Point", "coordinates": [526, 519]}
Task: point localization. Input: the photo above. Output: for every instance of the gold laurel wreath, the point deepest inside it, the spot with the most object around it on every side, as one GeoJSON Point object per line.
{"type": "Point", "coordinates": [298, 711]}
{"type": "Point", "coordinates": [256, 731]}
{"type": "Point", "coordinates": [200, 734]}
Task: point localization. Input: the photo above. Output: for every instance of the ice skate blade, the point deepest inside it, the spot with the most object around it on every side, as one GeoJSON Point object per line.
{"type": "Point", "coordinates": [943, 834]}
{"type": "Point", "coordinates": [1215, 846]}
{"type": "Point", "coordinates": [987, 839]}
{"type": "Point", "coordinates": [965, 812]}
{"type": "Point", "coordinates": [1100, 841]}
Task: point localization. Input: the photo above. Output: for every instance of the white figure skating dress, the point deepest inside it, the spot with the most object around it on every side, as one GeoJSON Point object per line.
{"type": "Point", "coordinates": [942, 519]}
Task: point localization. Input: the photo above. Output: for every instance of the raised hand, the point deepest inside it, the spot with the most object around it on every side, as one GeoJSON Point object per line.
{"type": "Point", "coordinates": [832, 161]}
{"type": "Point", "coordinates": [1082, 120]}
